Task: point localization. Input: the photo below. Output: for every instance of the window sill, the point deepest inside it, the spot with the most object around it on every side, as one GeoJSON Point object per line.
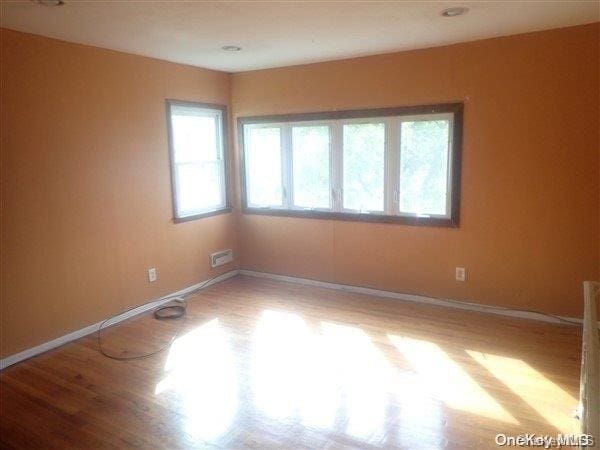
{"type": "Point", "coordinates": [355, 217]}
{"type": "Point", "coordinates": [202, 215]}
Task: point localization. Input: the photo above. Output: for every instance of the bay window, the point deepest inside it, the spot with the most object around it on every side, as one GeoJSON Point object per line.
{"type": "Point", "coordinates": [383, 165]}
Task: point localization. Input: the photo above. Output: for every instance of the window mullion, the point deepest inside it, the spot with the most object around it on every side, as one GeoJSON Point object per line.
{"type": "Point", "coordinates": [449, 171]}
{"type": "Point", "coordinates": [391, 166]}
{"type": "Point", "coordinates": [336, 161]}
{"type": "Point", "coordinates": [221, 157]}
{"type": "Point", "coordinates": [176, 187]}
{"type": "Point", "coordinates": [398, 153]}
{"type": "Point", "coordinates": [286, 165]}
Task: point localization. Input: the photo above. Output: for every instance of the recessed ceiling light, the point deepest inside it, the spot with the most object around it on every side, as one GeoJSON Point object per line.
{"type": "Point", "coordinates": [231, 48]}
{"type": "Point", "coordinates": [453, 12]}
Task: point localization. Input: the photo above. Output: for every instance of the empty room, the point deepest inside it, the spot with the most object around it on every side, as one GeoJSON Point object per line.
{"type": "Point", "coordinates": [299, 224]}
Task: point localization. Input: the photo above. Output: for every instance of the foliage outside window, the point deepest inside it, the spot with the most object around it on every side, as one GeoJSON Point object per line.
{"type": "Point", "coordinates": [389, 165]}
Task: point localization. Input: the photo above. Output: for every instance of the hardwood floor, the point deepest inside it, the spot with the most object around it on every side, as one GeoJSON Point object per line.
{"type": "Point", "coordinates": [261, 363]}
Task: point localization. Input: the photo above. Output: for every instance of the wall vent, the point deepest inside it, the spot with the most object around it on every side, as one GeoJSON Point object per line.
{"type": "Point", "coordinates": [220, 258]}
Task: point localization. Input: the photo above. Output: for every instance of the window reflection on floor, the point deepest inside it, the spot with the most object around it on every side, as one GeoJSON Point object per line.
{"type": "Point", "coordinates": [201, 372]}
{"type": "Point", "coordinates": [364, 377]}
{"type": "Point", "coordinates": [282, 345]}
{"type": "Point", "coordinates": [334, 377]}
{"type": "Point", "coordinates": [315, 376]}
{"type": "Point", "coordinates": [420, 417]}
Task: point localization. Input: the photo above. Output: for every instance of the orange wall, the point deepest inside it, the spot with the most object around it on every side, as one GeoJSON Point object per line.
{"type": "Point", "coordinates": [86, 199]}
{"type": "Point", "coordinates": [529, 231]}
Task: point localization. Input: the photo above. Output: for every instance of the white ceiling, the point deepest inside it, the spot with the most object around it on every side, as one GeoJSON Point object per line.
{"type": "Point", "coordinates": [281, 33]}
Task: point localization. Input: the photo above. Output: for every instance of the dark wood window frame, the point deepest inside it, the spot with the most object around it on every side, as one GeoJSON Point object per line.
{"type": "Point", "coordinates": [456, 109]}
{"type": "Point", "coordinates": [224, 137]}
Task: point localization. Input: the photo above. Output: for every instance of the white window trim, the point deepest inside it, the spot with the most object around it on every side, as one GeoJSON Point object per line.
{"type": "Point", "coordinates": [218, 112]}
{"type": "Point", "coordinates": [246, 131]}
{"type": "Point", "coordinates": [392, 119]}
{"type": "Point", "coordinates": [289, 150]}
{"type": "Point", "coordinates": [365, 121]}
{"type": "Point", "coordinates": [397, 148]}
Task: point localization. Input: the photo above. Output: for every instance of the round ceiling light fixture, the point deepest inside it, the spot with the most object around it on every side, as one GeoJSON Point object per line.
{"type": "Point", "coordinates": [231, 48]}
{"type": "Point", "coordinates": [454, 12]}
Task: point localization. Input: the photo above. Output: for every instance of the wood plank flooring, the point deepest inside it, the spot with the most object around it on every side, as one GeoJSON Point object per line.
{"type": "Point", "coordinates": [263, 364]}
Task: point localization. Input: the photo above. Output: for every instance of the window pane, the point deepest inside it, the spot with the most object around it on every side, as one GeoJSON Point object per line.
{"type": "Point", "coordinates": [263, 166]}
{"type": "Point", "coordinates": [364, 150]}
{"type": "Point", "coordinates": [424, 166]}
{"type": "Point", "coordinates": [197, 155]}
{"type": "Point", "coordinates": [199, 187]}
{"type": "Point", "coordinates": [194, 137]}
{"type": "Point", "coordinates": [310, 148]}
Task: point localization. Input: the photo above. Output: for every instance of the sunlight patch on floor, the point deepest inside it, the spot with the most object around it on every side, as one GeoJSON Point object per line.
{"type": "Point", "coordinates": [320, 375]}
{"type": "Point", "coordinates": [533, 387]}
{"type": "Point", "coordinates": [421, 418]}
{"type": "Point", "coordinates": [447, 381]}
{"type": "Point", "coordinates": [364, 375]}
{"type": "Point", "coordinates": [280, 370]}
{"type": "Point", "coordinates": [328, 375]}
{"type": "Point", "coordinates": [201, 372]}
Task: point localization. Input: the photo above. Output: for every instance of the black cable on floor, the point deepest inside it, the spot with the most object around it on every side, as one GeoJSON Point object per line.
{"type": "Point", "coordinates": [174, 308]}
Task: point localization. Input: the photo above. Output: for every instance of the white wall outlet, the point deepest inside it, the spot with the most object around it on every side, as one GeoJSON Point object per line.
{"type": "Point", "coordinates": [152, 275]}
{"type": "Point", "coordinates": [460, 274]}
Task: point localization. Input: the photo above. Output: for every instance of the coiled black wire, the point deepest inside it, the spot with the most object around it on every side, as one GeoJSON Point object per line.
{"type": "Point", "coordinates": [174, 308]}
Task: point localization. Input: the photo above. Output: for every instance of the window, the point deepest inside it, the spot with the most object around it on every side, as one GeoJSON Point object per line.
{"type": "Point", "coordinates": [310, 167]}
{"type": "Point", "coordinates": [363, 160]}
{"type": "Point", "coordinates": [264, 166]}
{"type": "Point", "coordinates": [424, 167]}
{"type": "Point", "coordinates": [198, 162]}
{"type": "Point", "coordinates": [384, 165]}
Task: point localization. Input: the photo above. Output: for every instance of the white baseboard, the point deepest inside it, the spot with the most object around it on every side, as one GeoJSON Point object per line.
{"type": "Point", "coordinates": [414, 298]}
{"type": "Point", "coordinates": [25, 354]}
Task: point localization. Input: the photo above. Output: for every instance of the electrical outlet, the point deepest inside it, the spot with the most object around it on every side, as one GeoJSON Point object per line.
{"type": "Point", "coordinates": [460, 274]}
{"type": "Point", "coordinates": [152, 275]}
